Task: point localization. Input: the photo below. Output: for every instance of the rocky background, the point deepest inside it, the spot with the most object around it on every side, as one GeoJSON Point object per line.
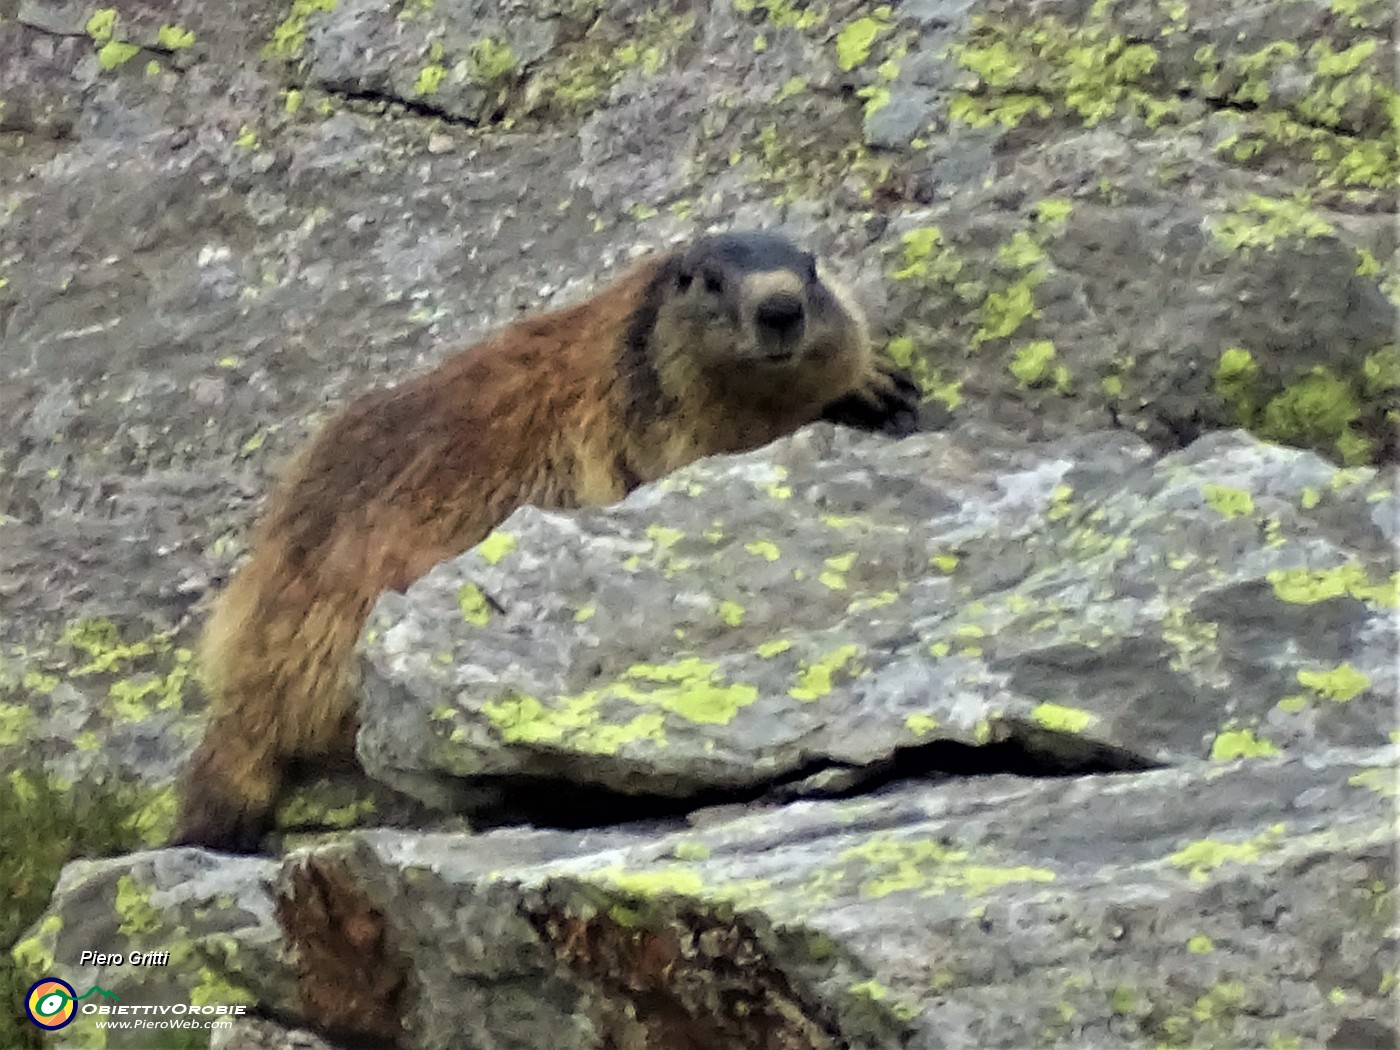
{"type": "Point", "coordinates": [1069, 724]}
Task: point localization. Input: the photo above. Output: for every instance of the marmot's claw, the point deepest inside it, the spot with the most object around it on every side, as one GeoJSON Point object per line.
{"type": "Point", "coordinates": [888, 403]}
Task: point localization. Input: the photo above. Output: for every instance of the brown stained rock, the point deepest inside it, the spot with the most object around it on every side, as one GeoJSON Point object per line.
{"type": "Point", "coordinates": [699, 984]}
{"type": "Point", "coordinates": [350, 975]}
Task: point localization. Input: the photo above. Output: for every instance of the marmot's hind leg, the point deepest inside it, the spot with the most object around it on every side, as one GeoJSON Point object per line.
{"type": "Point", "coordinates": [276, 669]}
{"type": "Point", "coordinates": [229, 792]}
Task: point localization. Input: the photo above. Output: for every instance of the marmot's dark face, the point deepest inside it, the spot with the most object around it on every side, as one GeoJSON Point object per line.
{"type": "Point", "coordinates": [757, 302]}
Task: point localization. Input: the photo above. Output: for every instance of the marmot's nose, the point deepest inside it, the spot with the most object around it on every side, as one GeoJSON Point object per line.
{"type": "Point", "coordinates": [780, 314]}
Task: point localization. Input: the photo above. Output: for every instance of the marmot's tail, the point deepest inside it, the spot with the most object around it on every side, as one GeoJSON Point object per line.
{"type": "Point", "coordinates": [275, 658]}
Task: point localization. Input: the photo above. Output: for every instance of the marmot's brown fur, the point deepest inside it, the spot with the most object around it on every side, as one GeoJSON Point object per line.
{"type": "Point", "coordinates": [720, 346]}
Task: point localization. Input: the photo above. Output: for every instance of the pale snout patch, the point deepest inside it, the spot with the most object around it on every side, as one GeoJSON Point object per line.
{"type": "Point", "coordinates": [760, 286]}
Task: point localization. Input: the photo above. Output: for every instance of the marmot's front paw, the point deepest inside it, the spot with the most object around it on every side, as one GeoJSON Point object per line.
{"type": "Point", "coordinates": [888, 402]}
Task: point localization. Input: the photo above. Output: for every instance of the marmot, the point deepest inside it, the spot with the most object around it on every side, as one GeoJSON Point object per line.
{"type": "Point", "coordinates": [719, 346]}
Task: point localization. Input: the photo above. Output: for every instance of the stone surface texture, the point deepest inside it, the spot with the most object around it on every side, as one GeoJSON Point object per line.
{"type": "Point", "coordinates": [1068, 723]}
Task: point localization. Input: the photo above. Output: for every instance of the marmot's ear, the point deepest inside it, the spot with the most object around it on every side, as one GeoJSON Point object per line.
{"type": "Point", "coordinates": [681, 270]}
{"type": "Point", "coordinates": [887, 403]}
{"type": "Point", "coordinates": [678, 271]}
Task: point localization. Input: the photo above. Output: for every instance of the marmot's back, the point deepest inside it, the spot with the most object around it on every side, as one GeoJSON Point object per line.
{"type": "Point", "coordinates": [720, 346]}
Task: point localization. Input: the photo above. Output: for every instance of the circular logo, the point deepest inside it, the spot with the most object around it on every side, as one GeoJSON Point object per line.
{"type": "Point", "coordinates": [50, 1003]}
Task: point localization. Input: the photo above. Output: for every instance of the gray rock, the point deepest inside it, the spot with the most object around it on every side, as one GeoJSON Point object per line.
{"type": "Point", "coordinates": [899, 121]}
{"type": "Point", "coordinates": [997, 912]}
{"type": "Point", "coordinates": [258, 1034]}
{"type": "Point", "coordinates": [834, 598]}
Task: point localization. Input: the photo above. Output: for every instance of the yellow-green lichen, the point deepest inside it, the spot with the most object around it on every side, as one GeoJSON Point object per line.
{"type": "Point", "coordinates": [1223, 997]}
{"type": "Point", "coordinates": [1341, 683]}
{"type": "Point", "coordinates": [290, 34]}
{"type": "Point", "coordinates": [490, 61]}
{"type": "Point", "coordinates": [1262, 222]}
{"type": "Point", "coordinates": [671, 880]}
{"type": "Point", "coordinates": [1235, 376]}
{"type": "Point", "coordinates": [664, 537]}
{"type": "Point", "coordinates": [688, 689]}
{"type": "Point", "coordinates": [931, 380]}
{"type": "Point", "coordinates": [15, 722]}
{"type": "Point", "coordinates": [765, 549]}
{"type": "Point", "coordinates": [854, 42]}
{"type": "Point", "coordinates": [921, 725]}
{"type": "Point", "coordinates": [1060, 718]}
{"type": "Point", "coordinates": [1228, 501]}
{"type": "Point", "coordinates": [1200, 944]}
{"type": "Point", "coordinates": [115, 53]}
{"type": "Point", "coordinates": [814, 681]}
{"type": "Point", "coordinates": [783, 14]}
{"type": "Point", "coordinates": [1061, 503]}
{"type": "Point", "coordinates": [136, 915]}
{"type": "Point", "coordinates": [691, 851]}
{"type": "Point", "coordinates": [473, 605]}
{"type": "Point", "coordinates": [1240, 743]}
{"type": "Point", "coordinates": [573, 722]}
{"type": "Point", "coordinates": [214, 989]}
{"type": "Point", "coordinates": [1032, 363]}
{"type": "Point", "coordinates": [101, 25]}
{"type": "Point", "coordinates": [429, 79]}
{"type": "Point", "coordinates": [1053, 211]}
{"type": "Point", "coordinates": [1188, 637]}
{"type": "Point", "coordinates": [154, 671]}
{"type": "Point", "coordinates": [578, 77]}
{"type": "Point", "coordinates": [1047, 65]}
{"type": "Point", "coordinates": [923, 255]}
{"type": "Point", "coordinates": [35, 953]}
{"type": "Point", "coordinates": [775, 488]}
{"type": "Point", "coordinates": [732, 613]}
{"type": "Point", "coordinates": [174, 38]}
{"type": "Point", "coordinates": [833, 575]}
{"type": "Point", "coordinates": [1204, 855]}
{"type": "Point", "coordinates": [305, 809]}
{"type": "Point", "coordinates": [1348, 580]}
{"type": "Point", "coordinates": [873, 601]}
{"type": "Point", "coordinates": [1380, 372]}
{"type": "Point", "coordinates": [1004, 311]}
{"type": "Point", "coordinates": [1343, 123]}
{"type": "Point", "coordinates": [799, 165]}
{"type": "Point", "coordinates": [1022, 251]}
{"type": "Point", "coordinates": [944, 562]}
{"type": "Point", "coordinates": [887, 865]}
{"type": "Point", "coordinates": [495, 547]}
{"type": "Point", "coordinates": [1123, 1001]}
{"type": "Point", "coordinates": [874, 992]}
{"type": "Point", "coordinates": [768, 650]}
{"type": "Point", "coordinates": [1380, 779]}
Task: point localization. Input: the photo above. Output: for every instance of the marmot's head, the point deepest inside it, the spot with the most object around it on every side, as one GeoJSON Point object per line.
{"type": "Point", "coordinates": [758, 314]}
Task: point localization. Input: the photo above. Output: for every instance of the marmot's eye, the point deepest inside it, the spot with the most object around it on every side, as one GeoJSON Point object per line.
{"type": "Point", "coordinates": [714, 283]}
{"type": "Point", "coordinates": [683, 279]}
